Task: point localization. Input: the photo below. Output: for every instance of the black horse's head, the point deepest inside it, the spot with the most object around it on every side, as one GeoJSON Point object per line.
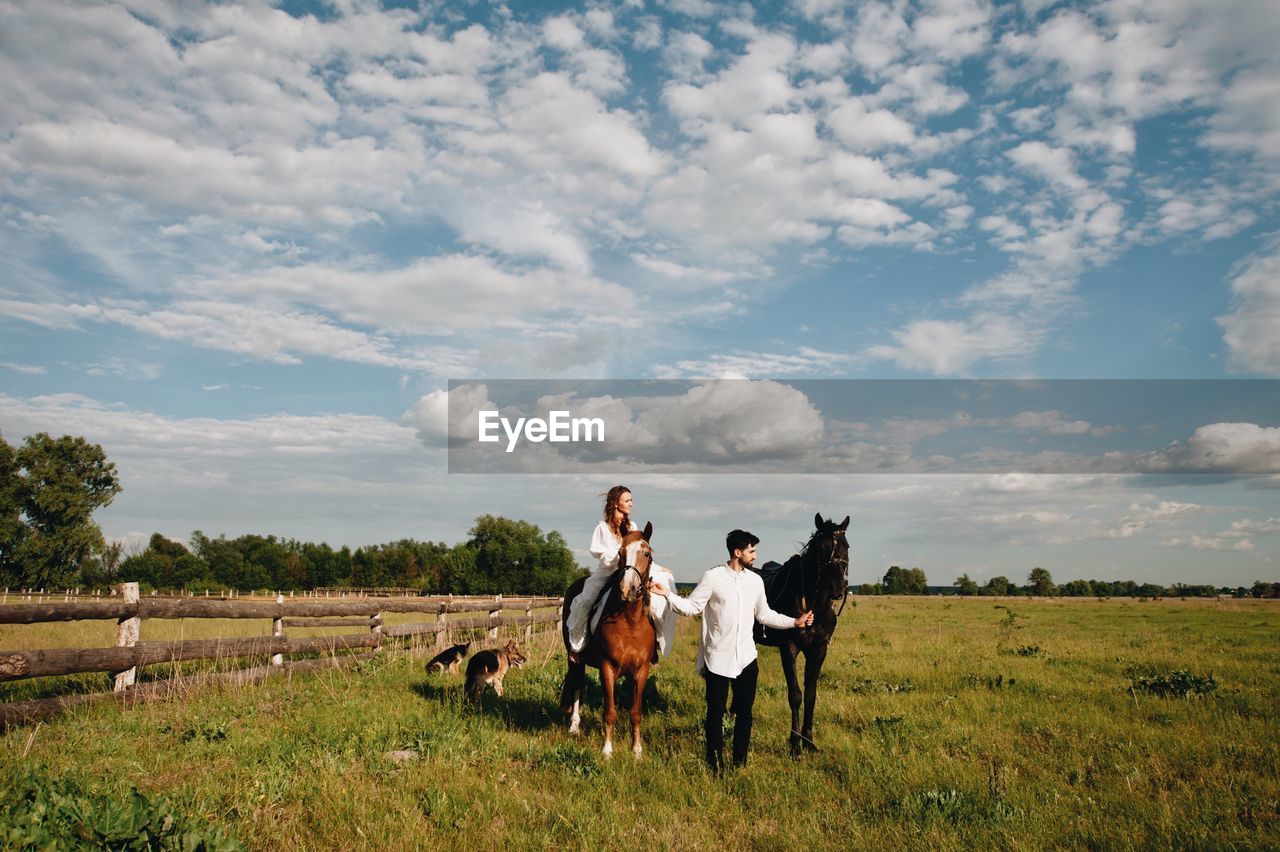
{"type": "Point", "coordinates": [830, 552]}
{"type": "Point", "coordinates": [634, 559]}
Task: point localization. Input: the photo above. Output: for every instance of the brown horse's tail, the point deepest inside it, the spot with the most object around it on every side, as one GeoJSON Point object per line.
{"type": "Point", "coordinates": [572, 689]}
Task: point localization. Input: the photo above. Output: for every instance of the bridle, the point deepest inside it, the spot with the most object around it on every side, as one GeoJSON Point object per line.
{"type": "Point", "coordinates": [622, 562]}
{"type": "Point", "coordinates": [833, 560]}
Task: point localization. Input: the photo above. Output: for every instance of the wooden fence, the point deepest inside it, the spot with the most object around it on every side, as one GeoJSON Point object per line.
{"type": "Point", "coordinates": [129, 609]}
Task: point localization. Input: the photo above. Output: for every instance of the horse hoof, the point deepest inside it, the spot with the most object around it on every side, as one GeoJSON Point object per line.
{"type": "Point", "coordinates": [636, 752]}
{"type": "Point", "coordinates": [607, 751]}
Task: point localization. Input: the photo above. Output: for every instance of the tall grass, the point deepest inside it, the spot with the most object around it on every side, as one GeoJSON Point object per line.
{"type": "Point", "coordinates": [942, 723]}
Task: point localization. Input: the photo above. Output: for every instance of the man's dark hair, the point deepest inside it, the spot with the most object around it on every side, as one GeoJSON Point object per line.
{"type": "Point", "coordinates": [739, 540]}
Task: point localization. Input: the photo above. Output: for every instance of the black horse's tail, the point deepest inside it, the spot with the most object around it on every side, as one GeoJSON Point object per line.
{"type": "Point", "coordinates": [572, 689]}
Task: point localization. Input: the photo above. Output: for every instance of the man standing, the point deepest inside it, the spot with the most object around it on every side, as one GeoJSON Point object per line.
{"type": "Point", "coordinates": [732, 598]}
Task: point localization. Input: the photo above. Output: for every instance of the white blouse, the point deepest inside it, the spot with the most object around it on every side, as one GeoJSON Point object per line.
{"type": "Point", "coordinates": [605, 546]}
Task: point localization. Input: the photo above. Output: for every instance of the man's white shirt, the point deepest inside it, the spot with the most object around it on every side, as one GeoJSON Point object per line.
{"type": "Point", "coordinates": [729, 601]}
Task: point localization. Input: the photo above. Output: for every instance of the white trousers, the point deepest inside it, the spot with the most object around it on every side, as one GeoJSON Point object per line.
{"type": "Point", "coordinates": [580, 609]}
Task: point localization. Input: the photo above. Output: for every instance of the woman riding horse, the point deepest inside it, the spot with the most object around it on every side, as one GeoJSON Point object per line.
{"type": "Point", "coordinates": [622, 645]}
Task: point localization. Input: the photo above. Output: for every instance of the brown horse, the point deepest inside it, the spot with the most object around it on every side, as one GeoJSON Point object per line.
{"type": "Point", "coordinates": [622, 644]}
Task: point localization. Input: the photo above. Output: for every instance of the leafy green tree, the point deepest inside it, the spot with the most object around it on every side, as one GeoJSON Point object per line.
{"type": "Point", "coordinates": [459, 575]}
{"type": "Point", "coordinates": [1263, 589]}
{"type": "Point", "coordinates": [12, 529]}
{"type": "Point", "coordinates": [515, 557]}
{"type": "Point", "coordinates": [103, 571]}
{"type": "Point", "coordinates": [226, 562]}
{"type": "Point", "coordinates": [165, 564]}
{"type": "Point", "coordinates": [1077, 589]}
{"type": "Point", "coordinates": [898, 581]}
{"type": "Point", "coordinates": [965, 586]}
{"type": "Point", "coordinates": [56, 485]}
{"type": "Point", "coordinates": [997, 586]}
{"type": "Point", "coordinates": [1041, 582]}
{"type": "Point", "coordinates": [1151, 590]}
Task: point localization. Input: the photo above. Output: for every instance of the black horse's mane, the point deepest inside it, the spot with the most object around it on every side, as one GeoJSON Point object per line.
{"type": "Point", "coordinates": [779, 580]}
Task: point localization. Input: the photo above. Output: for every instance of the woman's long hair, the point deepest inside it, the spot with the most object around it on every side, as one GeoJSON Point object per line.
{"type": "Point", "coordinates": [611, 506]}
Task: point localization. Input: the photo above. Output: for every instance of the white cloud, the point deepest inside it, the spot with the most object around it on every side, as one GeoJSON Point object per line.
{"type": "Point", "coordinates": [1214, 543]}
{"type": "Point", "coordinates": [1252, 329]}
{"type": "Point", "coordinates": [29, 369]}
{"type": "Point", "coordinates": [1052, 422]}
{"type": "Point", "coordinates": [755, 365]}
{"type": "Point", "coordinates": [952, 29]}
{"type": "Point", "coordinates": [1249, 526]}
{"type": "Point", "coordinates": [864, 129]}
{"type": "Point", "coordinates": [1055, 165]}
{"type": "Point", "coordinates": [443, 413]}
{"type": "Point", "coordinates": [1222, 447]}
{"type": "Point", "coordinates": [951, 347]}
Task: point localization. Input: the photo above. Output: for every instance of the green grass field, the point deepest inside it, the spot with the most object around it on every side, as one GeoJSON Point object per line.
{"type": "Point", "coordinates": [943, 723]}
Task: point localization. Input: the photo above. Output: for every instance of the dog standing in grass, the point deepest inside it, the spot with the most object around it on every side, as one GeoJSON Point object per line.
{"type": "Point", "coordinates": [489, 666]}
{"type": "Point", "coordinates": [449, 659]}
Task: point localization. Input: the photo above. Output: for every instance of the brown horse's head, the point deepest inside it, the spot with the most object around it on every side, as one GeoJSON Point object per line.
{"type": "Point", "coordinates": [634, 558]}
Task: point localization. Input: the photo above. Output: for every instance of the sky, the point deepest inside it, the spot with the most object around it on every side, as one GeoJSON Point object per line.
{"type": "Point", "coordinates": [245, 247]}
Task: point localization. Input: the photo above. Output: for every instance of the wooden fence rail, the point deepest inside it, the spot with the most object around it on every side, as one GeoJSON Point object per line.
{"type": "Point", "coordinates": [34, 613]}
{"type": "Point", "coordinates": [129, 610]}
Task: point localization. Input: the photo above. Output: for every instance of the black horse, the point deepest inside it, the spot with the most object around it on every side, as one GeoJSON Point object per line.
{"type": "Point", "coordinates": [813, 579]}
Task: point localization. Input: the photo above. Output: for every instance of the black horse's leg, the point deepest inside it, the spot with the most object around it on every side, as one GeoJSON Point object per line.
{"type": "Point", "coordinates": [788, 654]}
{"type": "Point", "coordinates": [814, 656]}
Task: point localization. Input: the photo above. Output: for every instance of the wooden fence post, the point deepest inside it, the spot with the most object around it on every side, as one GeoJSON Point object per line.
{"type": "Point", "coordinates": [494, 613]}
{"type": "Point", "coordinates": [375, 628]}
{"type": "Point", "coordinates": [128, 634]}
{"type": "Point", "coordinates": [442, 618]}
{"type": "Point", "coordinates": [277, 630]}
{"type": "Point", "coordinates": [528, 627]}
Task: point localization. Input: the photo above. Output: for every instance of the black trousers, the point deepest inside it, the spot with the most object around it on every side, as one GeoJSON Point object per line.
{"type": "Point", "coordinates": [744, 697]}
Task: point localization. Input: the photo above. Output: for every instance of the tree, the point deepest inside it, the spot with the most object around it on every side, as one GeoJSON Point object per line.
{"type": "Point", "coordinates": [49, 490]}
{"type": "Point", "coordinates": [898, 581]}
{"type": "Point", "coordinates": [12, 529]}
{"type": "Point", "coordinates": [965, 586]}
{"type": "Point", "coordinates": [996, 586]}
{"type": "Point", "coordinates": [1077, 589]}
{"type": "Point", "coordinates": [1041, 582]}
{"type": "Point", "coordinates": [515, 557]}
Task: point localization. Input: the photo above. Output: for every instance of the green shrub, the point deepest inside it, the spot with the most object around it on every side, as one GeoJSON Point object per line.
{"type": "Point", "coordinates": [1166, 684]}
{"type": "Point", "coordinates": [41, 813]}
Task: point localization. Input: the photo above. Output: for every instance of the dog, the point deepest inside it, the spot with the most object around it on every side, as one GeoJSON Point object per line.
{"type": "Point", "coordinates": [448, 659]}
{"type": "Point", "coordinates": [488, 667]}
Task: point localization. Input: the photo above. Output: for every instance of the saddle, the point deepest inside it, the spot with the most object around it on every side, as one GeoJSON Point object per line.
{"type": "Point", "coordinates": [773, 575]}
{"type": "Point", "coordinates": [596, 612]}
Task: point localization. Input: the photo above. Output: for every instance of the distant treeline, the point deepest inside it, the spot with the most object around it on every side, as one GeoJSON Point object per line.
{"type": "Point", "coordinates": [912, 581]}
{"type": "Point", "coordinates": [501, 556]}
